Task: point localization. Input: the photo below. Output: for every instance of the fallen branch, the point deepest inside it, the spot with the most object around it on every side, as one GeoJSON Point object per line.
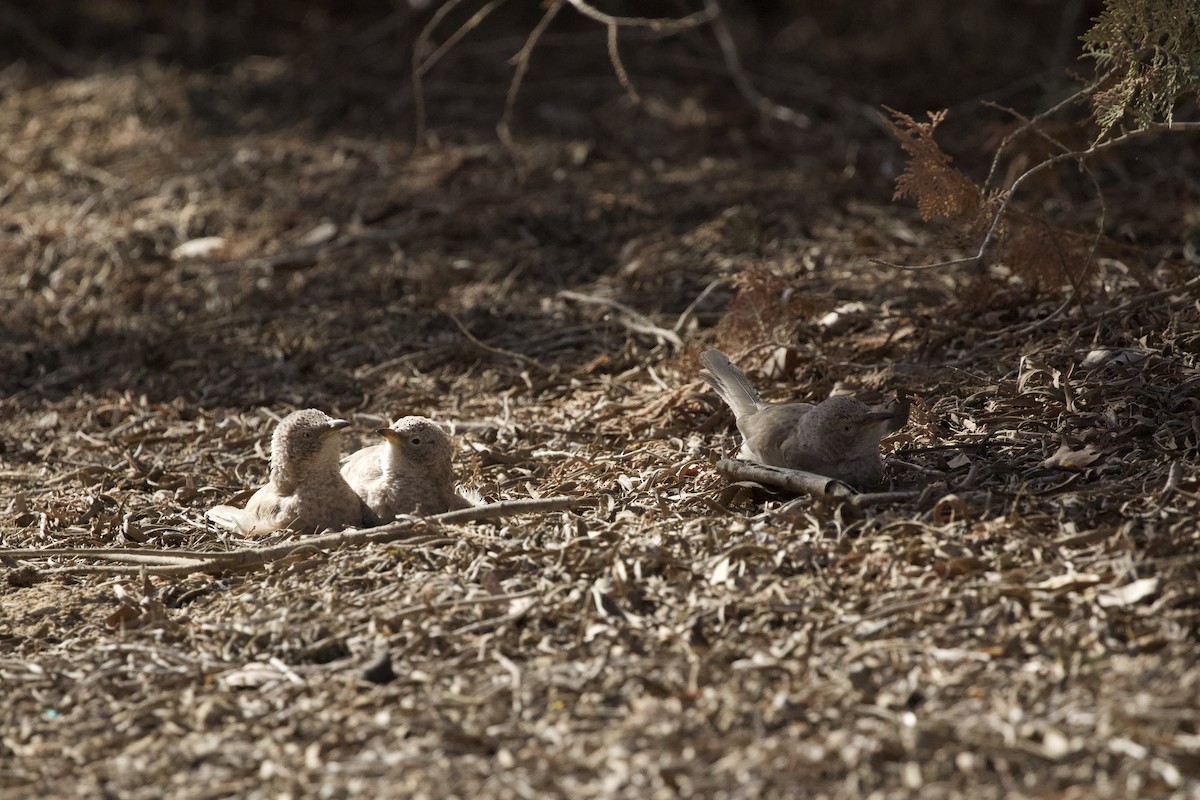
{"type": "Point", "coordinates": [168, 564]}
{"type": "Point", "coordinates": [799, 481]}
{"type": "Point", "coordinates": [424, 609]}
{"type": "Point", "coordinates": [893, 609]}
{"type": "Point", "coordinates": [793, 480]}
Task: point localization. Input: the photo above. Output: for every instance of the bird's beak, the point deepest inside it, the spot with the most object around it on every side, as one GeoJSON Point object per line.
{"type": "Point", "coordinates": [335, 425]}
{"type": "Point", "coordinates": [879, 416]}
{"type": "Point", "coordinates": [388, 434]}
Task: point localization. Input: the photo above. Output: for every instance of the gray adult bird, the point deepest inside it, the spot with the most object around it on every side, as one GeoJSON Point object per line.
{"type": "Point", "coordinates": [409, 473]}
{"type": "Point", "coordinates": [306, 493]}
{"type": "Point", "coordinates": [838, 437]}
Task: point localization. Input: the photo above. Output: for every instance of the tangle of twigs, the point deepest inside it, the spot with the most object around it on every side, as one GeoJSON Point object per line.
{"type": "Point", "coordinates": [710, 15]}
{"type": "Point", "coordinates": [1006, 195]}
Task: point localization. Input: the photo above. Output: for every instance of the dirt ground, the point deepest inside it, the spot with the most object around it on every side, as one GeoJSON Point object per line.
{"type": "Point", "coordinates": [1011, 629]}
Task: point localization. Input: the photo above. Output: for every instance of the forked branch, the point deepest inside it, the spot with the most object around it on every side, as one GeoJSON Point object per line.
{"type": "Point", "coordinates": [710, 15]}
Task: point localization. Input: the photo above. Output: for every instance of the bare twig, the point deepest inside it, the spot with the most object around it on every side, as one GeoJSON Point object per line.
{"type": "Point", "coordinates": [521, 59]}
{"type": "Point", "coordinates": [692, 306]}
{"type": "Point", "coordinates": [710, 14]}
{"type": "Point", "coordinates": [1077, 97]}
{"type": "Point", "coordinates": [733, 63]}
{"type": "Point", "coordinates": [891, 609]}
{"type": "Point", "coordinates": [614, 55]}
{"type": "Point", "coordinates": [795, 480]}
{"type": "Point", "coordinates": [461, 602]}
{"type": "Point", "coordinates": [420, 65]}
{"type": "Point", "coordinates": [633, 320]}
{"type": "Point", "coordinates": [1188, 285]}
{"type": "Point", "coordinates": [133, 562]}
{"type": "Point", "coordinates": [657, 24]}
{"type": "Point", "coordinates": [497, 351]}
{"type": "Point", "coordinates": [308, 253]}
{"type": "Point", "coordinates": [1076, 282]}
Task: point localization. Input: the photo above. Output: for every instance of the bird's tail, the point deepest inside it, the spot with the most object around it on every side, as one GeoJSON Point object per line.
{"type": "Point", "coordinates": [730, 383]}
{"type": "Point", "coordinates": [467, 498]}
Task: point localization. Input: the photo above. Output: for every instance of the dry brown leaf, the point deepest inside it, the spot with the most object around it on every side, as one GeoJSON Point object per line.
{"type": "Point", "coordinates": [1067, 457]}
{"type": "Point", "coordinates": [950, 508]}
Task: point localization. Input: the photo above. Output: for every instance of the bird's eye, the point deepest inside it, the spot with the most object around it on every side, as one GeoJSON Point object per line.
{"type": "Point", "coordinates": [847, 427]}
{"type": "Point", "coordinates": [415, 440]}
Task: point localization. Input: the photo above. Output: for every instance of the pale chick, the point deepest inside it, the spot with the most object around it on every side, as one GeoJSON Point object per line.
{"type": "Point", "coordinates": [410, 473]}
{"type": "Point", "coordinates": [306, 493]}
{"type": "Point", "coordinates": [838, 437]}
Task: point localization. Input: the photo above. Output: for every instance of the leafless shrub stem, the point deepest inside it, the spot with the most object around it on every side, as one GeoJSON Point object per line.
{"type": "Point", "coordinates": [710, 15]}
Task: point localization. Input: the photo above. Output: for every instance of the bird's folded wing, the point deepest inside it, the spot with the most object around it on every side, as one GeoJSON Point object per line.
{"type": "Point", "coordinates": [767, 432]}
{"type": "Point", "coordinates": [239, 520]}
{"type": "Point", "coordinates": [362, 467]}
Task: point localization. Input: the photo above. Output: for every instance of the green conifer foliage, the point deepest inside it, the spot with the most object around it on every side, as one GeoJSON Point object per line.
{"type": "Point", "coordinates": [1151, 50]}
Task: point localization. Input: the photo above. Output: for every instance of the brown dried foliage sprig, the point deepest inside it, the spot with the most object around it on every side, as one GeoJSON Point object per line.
{"type": "Point", "coordinates": [1148, 52]}
{"type": "Point", "coordinates": [768, 308]}
{"type": "Point", "coordinates": [940, 190]}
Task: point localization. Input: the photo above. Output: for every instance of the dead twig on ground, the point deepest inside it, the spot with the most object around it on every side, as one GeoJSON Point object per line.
{"type": "Point", "coordinates": [497, 351]}
{"type": "Point", "coordinates": [892, 609]}
{"type": "Point", "coordinates": [168, 564]}
{"type": "Point", "coordinates": [690, 311]}
{"type": "Point", "coordinates": [631, 318]}
{"type": "Point", "coordinates": [795, 480]}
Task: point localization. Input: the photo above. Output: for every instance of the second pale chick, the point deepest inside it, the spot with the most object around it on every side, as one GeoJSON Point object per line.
{"type": "Point", "coordinates": [838, 437]}
{"type": "Point", "coordinates": [410, 473]}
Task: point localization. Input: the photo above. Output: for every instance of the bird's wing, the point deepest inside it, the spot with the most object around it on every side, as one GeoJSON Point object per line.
{"type": "Point", "coordinates": [770, 434]}
{"type": "Point", "coordinates": [362, 467]}
{"type": "Point", "coordinates": [359, 456]}
{"type": "Point", "coordinates": [730, 383]}
{"type": "Point", "coordinates": [265, 512]}
{"type": "Point", "coordinates": [240, 520]}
